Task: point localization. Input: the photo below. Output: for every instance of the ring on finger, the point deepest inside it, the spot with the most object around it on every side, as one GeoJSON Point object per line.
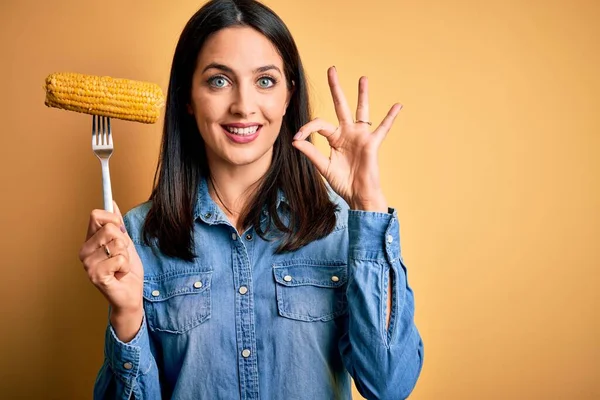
{"type": "Point", "coordinates": [360, 121]}
{"type": "Point", "coordinates": [107, 251]}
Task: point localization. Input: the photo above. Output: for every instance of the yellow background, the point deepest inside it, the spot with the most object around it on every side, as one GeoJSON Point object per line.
{"type": "Point", "coordinates": [492, 165]}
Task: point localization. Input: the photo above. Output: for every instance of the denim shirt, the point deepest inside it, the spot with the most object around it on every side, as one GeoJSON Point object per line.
{"type": "Point", "coordinates": [241, 322]}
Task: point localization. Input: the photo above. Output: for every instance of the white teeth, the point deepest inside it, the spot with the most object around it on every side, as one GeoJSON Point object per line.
{"type": "Point", "coordinates": [243, 131]}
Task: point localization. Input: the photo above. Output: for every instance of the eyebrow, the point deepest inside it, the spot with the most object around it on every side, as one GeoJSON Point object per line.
{"type": "Point", "coordinates": [225, 68]}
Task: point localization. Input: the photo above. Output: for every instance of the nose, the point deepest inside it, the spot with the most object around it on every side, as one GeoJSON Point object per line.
{"type": "Point", "coordinates": [243, 103]}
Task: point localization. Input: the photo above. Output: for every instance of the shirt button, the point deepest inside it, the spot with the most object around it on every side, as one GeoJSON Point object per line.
{"type": "Point", "coordinates": [207, 215]}
{"type": "Point", "coordinates": [287, 278]}
{"type": "Point", "coordinates": [198, 285]}
{"type": "Point", "coordinates": [390, 238]}
{"type": "Point", "coordinates": [155, 293]}
{"type": "Point", "coordinates": [245, 353]}
{"type": "Point", "coordinates": [243, 290]}
{"type": "Point", "coordinates": [249, 236]}
{"type": "Point", "coordinates": [234, 236]}
{"type": "Point", "coordinates": [128, 365]}
{"type": "Point", "coordinates": [335, 278]}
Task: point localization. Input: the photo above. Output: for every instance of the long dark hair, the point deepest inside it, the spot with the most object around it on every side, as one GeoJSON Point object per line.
{"type": "Point", "coordinates": [182, 162]}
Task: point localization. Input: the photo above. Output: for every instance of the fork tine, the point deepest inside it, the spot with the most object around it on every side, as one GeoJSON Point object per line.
{"type": "Point", "coordinates": [94, 135]}
{"type": "Point", "coordinates": [103, 131]}
{"type": "Point", "coordinates": [110, 142]}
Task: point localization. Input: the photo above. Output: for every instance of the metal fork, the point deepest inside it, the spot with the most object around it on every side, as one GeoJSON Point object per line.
{"type": "Point", "coordinates": [102, 145]}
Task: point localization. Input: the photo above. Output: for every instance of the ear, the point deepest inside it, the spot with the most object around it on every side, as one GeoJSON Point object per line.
{"type": "Point", "coordinates": [189, 109]}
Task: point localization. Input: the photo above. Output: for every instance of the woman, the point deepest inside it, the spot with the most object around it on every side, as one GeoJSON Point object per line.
{"type": "Point", "coordinates": [246, 275]}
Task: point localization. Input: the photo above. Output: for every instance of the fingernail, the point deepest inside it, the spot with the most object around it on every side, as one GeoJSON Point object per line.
{"type": "Point", "coordinates": [123, 229]}
{"type": "Point", "coordinates": [297, 135]}
{"type": "Point", "coordinates": [335, 68]}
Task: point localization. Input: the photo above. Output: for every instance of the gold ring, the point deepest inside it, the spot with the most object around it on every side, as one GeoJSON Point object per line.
{"type": "Point", "coordinates": [363, 122]}
{"type": "Point", "coordinates": [107, 251]}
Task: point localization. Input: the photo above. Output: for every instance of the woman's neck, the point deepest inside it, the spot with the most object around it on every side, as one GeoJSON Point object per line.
{"type": "Point", "coordinates": [232, 187]}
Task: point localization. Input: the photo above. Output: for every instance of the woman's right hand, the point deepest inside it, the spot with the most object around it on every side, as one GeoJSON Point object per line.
{"type": "Point", "coordinates": [114, 267]}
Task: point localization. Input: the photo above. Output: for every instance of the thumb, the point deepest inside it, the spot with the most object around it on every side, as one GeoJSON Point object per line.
{"type": "Point", "coordinates": [117, 211]}
{"type": "Point", "coordinates": [312, 153]}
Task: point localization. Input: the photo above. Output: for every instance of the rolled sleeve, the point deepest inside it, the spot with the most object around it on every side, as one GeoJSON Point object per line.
{"type": "Point", "coordinates": [385, 361]}
{"type": "Point", "coordinates": [129, 370]}
{"type": "Point", "coordinates": [127, 360]}
{"type": "Point", "coordinates": [374, 235]}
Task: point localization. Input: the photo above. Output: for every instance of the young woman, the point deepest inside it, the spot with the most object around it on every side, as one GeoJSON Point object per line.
{"type": "Point", "coordinates": [247, 275]}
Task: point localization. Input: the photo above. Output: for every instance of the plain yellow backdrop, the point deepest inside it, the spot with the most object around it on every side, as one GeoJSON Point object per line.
{"type": "Point", "coordinates": [492, 164]}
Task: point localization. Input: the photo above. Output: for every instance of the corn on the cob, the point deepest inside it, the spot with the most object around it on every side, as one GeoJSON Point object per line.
{"type": "Point", "coordinates": [102, 95]}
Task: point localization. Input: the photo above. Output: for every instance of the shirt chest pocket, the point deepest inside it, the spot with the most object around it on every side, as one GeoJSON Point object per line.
{"type": "Point", "coordinates": [176, 303]}
{"type": "Point", "coordinates": [310, 290]}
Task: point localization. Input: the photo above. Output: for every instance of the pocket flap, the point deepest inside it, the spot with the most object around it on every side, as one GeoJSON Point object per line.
{"type": "Point", "coordinates": [333, 276]}
{"type": "Point", "coordinates": [164, 287]}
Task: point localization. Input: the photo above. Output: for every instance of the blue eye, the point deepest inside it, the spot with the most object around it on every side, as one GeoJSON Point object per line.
{"type": "Point", "coordinates": [266, 82]}
{"type": "Point", "coordinates": [218, 82]}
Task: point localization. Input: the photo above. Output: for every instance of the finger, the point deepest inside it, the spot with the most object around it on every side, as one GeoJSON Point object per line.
{"type": "Point", "coordinates": [362, 109]}
{"type": "Point", "coordinates": [388, 121]}
{"type": "Point", "coordinates": [117, 210]}
{"type": "Point", "coordinates": [99, 218]}
{"type": "Point", "coordinates": [324, 128]}
{"type": "Point", "coordinates": [105, 272]}
{"type": "Point", "coordinates": [339, 100]}
{"type": "Point", "coordinates": [115, 248]}
{"type": "Point", "coordinates": [313, 154]}
{"type": "Point", "coordinates": [106, 234]}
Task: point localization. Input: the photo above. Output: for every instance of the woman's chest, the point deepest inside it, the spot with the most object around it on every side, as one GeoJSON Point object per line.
{"type": "Point", "coordinates": [236, 275]}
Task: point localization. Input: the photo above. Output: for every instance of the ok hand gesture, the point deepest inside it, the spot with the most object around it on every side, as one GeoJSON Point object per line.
{"type": "Point", "coordinates": [352, 169]}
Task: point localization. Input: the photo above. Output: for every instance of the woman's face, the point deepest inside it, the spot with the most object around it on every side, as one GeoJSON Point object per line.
{"type": "Point", "coordinates": [239, 97]}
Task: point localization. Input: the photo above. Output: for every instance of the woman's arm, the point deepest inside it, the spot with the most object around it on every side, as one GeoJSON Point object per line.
{"type": "Point", "coordinates": [129, 370]}
{"type": "Point", "coordinates": [385, 359]}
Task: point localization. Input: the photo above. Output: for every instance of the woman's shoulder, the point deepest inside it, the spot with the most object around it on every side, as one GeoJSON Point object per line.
{"type": "Point", "coordinates": [134, 220]}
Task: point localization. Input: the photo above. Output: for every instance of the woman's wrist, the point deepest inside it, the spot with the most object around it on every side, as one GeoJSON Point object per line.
{"type": "Point", "coordinates": [372, 203]}
{"type": "Point", "coordinates": [126, 324]}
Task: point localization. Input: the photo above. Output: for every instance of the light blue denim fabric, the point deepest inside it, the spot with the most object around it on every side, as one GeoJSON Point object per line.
{"type": "Point", "coordinates": [241, 322]}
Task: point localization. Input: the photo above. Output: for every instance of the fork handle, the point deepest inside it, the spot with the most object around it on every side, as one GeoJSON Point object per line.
{"type": "Point", "coordinates": [106, 188]}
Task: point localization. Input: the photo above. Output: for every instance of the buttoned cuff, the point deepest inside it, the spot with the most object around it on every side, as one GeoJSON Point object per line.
{"type": "Point", "coordinates": [127, 360]}
{"type": "Point", "coordinates": [374, 235]}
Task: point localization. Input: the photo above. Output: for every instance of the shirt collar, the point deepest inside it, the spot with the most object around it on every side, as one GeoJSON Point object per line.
{"type": "Point", "coordinates": [208, 211]}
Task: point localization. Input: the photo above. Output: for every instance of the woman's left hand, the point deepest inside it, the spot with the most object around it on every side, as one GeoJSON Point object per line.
{"type": "Point", "coordinates": [352, 169]}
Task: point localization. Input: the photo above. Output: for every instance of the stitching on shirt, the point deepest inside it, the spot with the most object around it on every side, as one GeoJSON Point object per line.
{"type": "Point", "coordinates": [181, 273]}
{"type": "Point", "coordinates": [311, 282]}
{"type": "Point", "coordinates": [366, 259]}
{"type": "Point", "coordinates": [174, 293]}
{"type": "Point", "coordinates": [318, 277]}
{"type": "Point", "coordinates": [327, 317]}
{"type": "Point", "coordinates": [302, 317]}
{"type": "Point", "coordinates": [137, 391]}
{"type": "Point", "coordinates": [339, 228]}
{"type": "Point", "coordinates": [199, 319]}
{"type": "Point", "coordinates": [383, 286]}
{"type": "Point", "coordinates": [358, 214]}
{"type": "Point", "coordinates": [310, 262]}
{"type": "Point", "coordinates": [120, 375]}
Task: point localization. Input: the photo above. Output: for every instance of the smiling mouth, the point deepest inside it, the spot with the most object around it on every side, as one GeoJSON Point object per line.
{"type": "Point", "coordinates": [247, 131]}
